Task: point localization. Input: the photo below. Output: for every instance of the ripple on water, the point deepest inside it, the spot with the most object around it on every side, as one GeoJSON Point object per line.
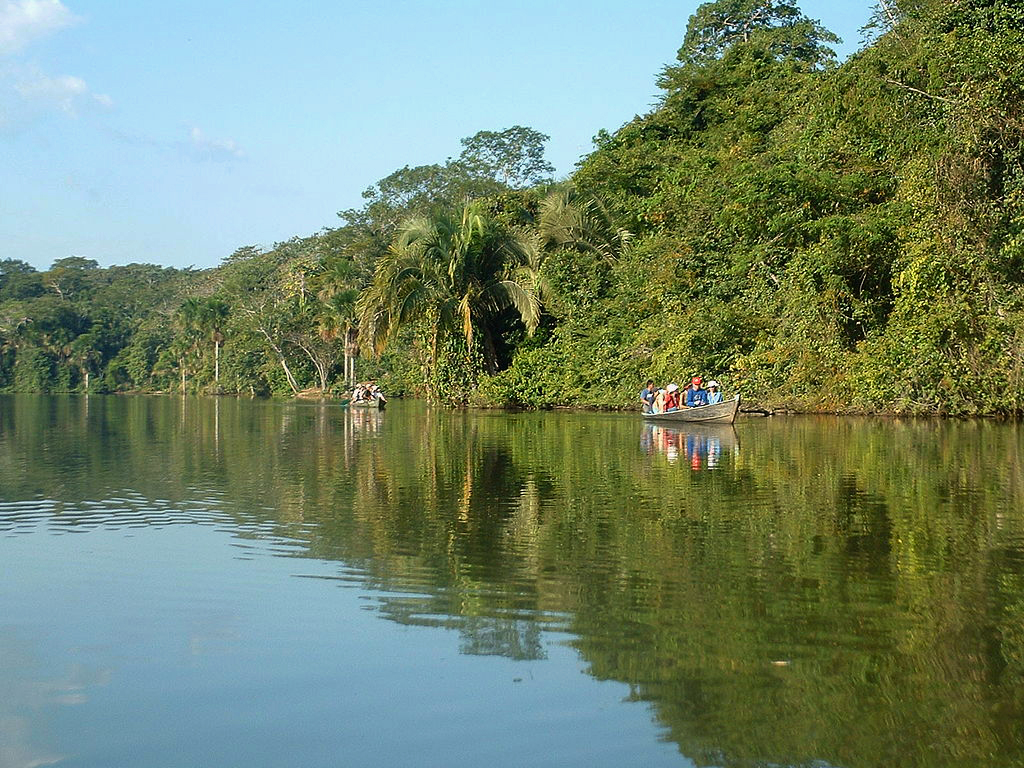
{"type": "Point", "coordinates": [123, 511]}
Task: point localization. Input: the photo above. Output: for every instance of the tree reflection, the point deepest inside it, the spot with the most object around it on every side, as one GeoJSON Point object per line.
{"type": "Point", "coordinates": [839, 592]}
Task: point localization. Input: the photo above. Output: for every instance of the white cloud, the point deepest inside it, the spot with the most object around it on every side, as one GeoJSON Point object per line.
{"type": "Point", "coordinates": [62, 91]}
{"type": "Point", "coordinates": [213, 149]}
{"type": "Point", "coordinates": [27, 91]}
{"type": "Point", "coordinates": [23, 21]}
{"type": "Point", "coordinates": [35, 90]}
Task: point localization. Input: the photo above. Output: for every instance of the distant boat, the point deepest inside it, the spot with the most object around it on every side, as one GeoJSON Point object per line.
{"type": "Point", "coordinates": [372, 403]}
{"type": "Point", "coordinates": [719, 413]}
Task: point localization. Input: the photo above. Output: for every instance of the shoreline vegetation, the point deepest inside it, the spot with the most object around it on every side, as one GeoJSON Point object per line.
{"type": "Point", "coordinates": [819, 237]}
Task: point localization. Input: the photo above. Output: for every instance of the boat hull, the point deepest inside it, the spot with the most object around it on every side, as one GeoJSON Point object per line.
{"type": "Point", "coordinates": [719, 413]}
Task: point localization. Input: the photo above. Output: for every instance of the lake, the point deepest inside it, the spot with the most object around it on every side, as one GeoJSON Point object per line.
{"type": "Point", "coordinates": [222, 582]}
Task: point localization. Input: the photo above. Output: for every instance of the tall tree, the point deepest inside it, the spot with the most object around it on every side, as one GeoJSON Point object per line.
{"type": "Point", "coordinates": [338, 287]}
{"type": "Point", "coordinates": [212, 318]}
{"type": "Point", "coordinates": [491, 162]}
{"type": "Point", "coordinates": [456, 274]}
{"type": "Point", "coordinates": [514, 157]}
{"type": "Point", "coordinates": [777, 26]}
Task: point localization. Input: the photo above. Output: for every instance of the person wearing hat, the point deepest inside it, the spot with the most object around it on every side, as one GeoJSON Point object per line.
{"type": "Point", "coordinates": [695, 396]}
{"type": "Point", "coordinates": [714, 395]}
{"type": "Point", "coordinates": [671, 398]}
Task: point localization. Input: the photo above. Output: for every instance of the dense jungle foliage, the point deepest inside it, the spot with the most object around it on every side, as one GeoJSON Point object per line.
{"type": "Point", "coordinates": [814, 235]}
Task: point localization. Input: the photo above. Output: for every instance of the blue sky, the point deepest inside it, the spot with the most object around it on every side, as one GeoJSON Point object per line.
{"type": "Point", "coordinates": [174, 133]}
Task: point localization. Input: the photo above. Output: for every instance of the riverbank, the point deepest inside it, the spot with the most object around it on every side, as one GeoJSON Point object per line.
{"type": "Point", "coordinates": [754, 408]}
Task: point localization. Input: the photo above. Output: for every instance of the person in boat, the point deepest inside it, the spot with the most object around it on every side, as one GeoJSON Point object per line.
{"type": "Point", "coordinates": [647, 397]}
{"type": "Point", "coordinates": [695, 396]}
{"type": "Point", "coordinates": [671, 398]}
{"type": "Point", "coordinates": [659, 402]}
{"type": "Point", "coordinates": [377, 394]}
{"type": "Point", "coordinates": [714, 393]}
{"type": "Point", "coordinates": [364, 392]}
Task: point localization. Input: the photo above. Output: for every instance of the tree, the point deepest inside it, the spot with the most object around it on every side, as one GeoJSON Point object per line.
{"type": "Point", "coordinates": [70, 276]}
{"type": "Point", "coordinates": [420, 190]}
{"type": "Point", "coordinates": [456, 274]}
{"type": "Point", "coordinates": [190, 331]}
{"type": "Point", "coordinates": [213, 316]}
{"type": "Point", "coordinates": [776, 26]}
{"type": "Point", "coordinates": [337, 291]}
{"type": "Point", "coordinates": [491, 162]}
{"type": "Point", "coordinates": [572, 220]}
{"type": "Point", "coordinates": [18, 280]}
{"type": "Point", "coordinates": [206, 317]}
{"type": "Point", "coordinates": [85, 356]}
{"type": "Point", "coordinates": [260, 288]}
{"type": "Point", "coordinates": [514, 157]}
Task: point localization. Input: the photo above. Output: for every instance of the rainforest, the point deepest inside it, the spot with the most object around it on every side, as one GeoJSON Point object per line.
{"type": "Point", "coordinates": [818, 236]}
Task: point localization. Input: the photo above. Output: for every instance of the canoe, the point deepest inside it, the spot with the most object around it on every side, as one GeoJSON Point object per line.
{"type": "Point", "coordinates": [719, 413]}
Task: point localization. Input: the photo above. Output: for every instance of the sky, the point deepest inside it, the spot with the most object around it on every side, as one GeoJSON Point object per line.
{"type": "Point", "coordinates": [175, 133]}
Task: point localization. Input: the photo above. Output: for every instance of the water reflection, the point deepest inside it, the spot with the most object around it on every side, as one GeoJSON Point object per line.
{"type": "Point", "coordinates": [839, 592]}
{"type": "Point", "coordinates": [697, 446]}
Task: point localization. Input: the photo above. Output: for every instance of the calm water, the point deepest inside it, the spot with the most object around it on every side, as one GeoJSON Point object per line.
{"type": "Point", "coordinates": [246, 583]}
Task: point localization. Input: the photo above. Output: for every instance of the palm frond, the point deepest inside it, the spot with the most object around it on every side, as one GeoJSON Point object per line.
{"type": "Point", "coordinates": [570, 219]}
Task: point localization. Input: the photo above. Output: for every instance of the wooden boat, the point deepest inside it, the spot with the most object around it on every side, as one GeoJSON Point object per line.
{"type": "Point", "coordinates": [719, 413]}
{"type": "Point", "coordinates": [372, 403]}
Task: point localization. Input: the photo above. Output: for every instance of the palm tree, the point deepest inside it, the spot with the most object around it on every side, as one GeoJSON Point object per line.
{"type": "Point", "coordinates": [213, 315]}
{"type": "Point", "coordinates": [201, 317]}
{"type": "Point", "coordinates": [570, 219]}
{"type": "Point", "coordinates": [457, 273]}
{"type": "Point", "coordinates": [337, 316]}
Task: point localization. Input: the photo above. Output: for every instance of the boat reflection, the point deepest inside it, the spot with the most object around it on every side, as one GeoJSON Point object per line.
{"type": "Point", "coordinates": [701, 446]}
{"type": "Point", "coordinates": [365, 419]}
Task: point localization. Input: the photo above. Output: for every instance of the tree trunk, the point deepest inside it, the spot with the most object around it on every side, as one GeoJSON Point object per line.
{"type": "Point", "coordinates": [284, 363]}
{"type": "Point", "coordinates": [319, 363]}
{"type": "Point", "coordinates": [321, 373]}
{"type": "Point", "coordinates": [181, 363]}
{"type": "Point", "coordinates": [216, 362]}
{"type": "Point", "coordinates": [288, 373]}
{"type": "Point", "coordinates": [490, 353]}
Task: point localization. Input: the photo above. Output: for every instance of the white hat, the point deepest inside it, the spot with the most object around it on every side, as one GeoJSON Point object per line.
{"type": "Point", "coordinates": [712, 383]}
{"type": "Point", "coordinates": [673, 387]}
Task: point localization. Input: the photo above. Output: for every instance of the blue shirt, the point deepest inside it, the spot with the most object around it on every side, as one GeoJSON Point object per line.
{"type": "Point", "coordinates": [695, 397]}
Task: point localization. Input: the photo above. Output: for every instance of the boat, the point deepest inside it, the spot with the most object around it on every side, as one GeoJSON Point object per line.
{"type": "Point", "coordinates": [719, 413]}
{"type": "Point", "coordinates": [371, 403]}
